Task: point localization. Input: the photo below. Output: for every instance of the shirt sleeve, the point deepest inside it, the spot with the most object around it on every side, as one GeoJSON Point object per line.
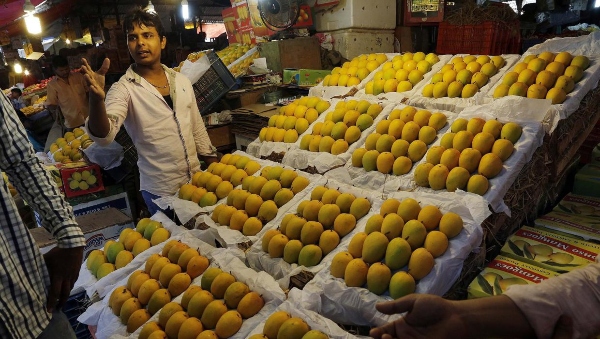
{"type": "Point", "coordinates": [33, 182]}
{"type": "Point", "coordinates": [575, 294]}
{"type": "Point", "coordinates": [51, 94]}
{"type": "Point", "coordinates": [116, 103]}
{"type": "Point", "coordinates": [204, 146]}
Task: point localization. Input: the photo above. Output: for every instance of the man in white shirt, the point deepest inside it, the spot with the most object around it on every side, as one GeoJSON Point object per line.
{"type": "Point", "coordinates": [158, 108]}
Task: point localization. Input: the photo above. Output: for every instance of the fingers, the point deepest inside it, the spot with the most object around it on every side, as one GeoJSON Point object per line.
{"type": "Point", "coordinates": [404, 304]}
{"type": "Point", "coordinates": [105, 66]}
{"type": "Point", "coordinates": [381, 331]}
{"type": "Point", "coordinates": [54, 291]}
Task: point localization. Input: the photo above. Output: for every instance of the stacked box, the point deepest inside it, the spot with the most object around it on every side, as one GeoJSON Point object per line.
{"type": "Point", "coordinates": [503, 272]}
{"type": "Point", "coordinates": [574, 225]}
{"type": "Point", "coordinates": [587, 180]}
{"type": "Point", "coordinates": [549, 250]}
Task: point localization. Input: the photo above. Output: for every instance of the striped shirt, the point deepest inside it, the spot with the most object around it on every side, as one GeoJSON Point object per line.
{"type": "Point", "coordinates": [23, 274]}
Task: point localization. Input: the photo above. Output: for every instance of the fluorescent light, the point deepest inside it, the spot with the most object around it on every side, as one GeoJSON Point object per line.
{"type": "Point", "coordinates": [33, 24]}
{"type": "Point", "coordinates": [68, 41]}
{"type": "Point", "coordinates": [18, 69]}
{"type": "Point", "coordinates": [150, 8]}
{"type": "Point", "coordinates": [185, 10]}
{"type": "Point", "coordinates": [26, 72]}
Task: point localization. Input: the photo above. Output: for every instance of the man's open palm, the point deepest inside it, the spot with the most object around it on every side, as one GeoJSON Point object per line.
{"type": "Point", "coordinates": [95, 79]}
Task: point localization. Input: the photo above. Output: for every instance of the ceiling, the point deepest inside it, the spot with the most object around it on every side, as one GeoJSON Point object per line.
{"type": "Point", "coordinates": [93, 12]}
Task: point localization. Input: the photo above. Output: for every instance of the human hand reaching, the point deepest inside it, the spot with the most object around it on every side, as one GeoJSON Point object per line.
{"type": "Point", "coordinates": [63, 267]}
{"type": "Point", "coordinates": [95, 80]}
{"type": "Point", "coordinates": [428, 316]}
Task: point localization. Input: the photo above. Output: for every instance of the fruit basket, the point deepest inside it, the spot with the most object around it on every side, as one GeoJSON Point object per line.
{"type": "Point", "coordinates": [565, 103]}
{"type": "Point", "coordinates": [465, 89]}
{"type": "Point", "coordinates": [274, 259]}
{"type": "Point", "coordinates": [225, 270]}
{"type": "Point", "coordinates": [343, 129]}
{"type": "Point", "coordinates": [250, 209]}
{"type": "Point", "coordinates": [499, 175]}
{"type": "Point", "coordinates": [354, 76]}
{"type": "Point", "coordinates": [402, 65]}
{"type": "Point", "coordinates": [106, 314]}
{"type": "Point", "coordinates": [292, 123]}
{"type": "Point", "coordinates": [305, 319]}
{"type": "Point", "coordinates": [92, 284]}
{"type": "Point", "coordinates": [356, 305]}
{"type": "Point", "coordinates": [395, 144]}
{"type": "Point", "coordinates": [213, 85]}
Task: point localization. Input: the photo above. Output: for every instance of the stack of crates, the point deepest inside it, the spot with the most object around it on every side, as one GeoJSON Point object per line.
{"type": "Point", "coordinates": [359, 26]}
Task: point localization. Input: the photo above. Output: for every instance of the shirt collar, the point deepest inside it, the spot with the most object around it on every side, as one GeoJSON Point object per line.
{"type": "Point", "coordinates": [134, 77]}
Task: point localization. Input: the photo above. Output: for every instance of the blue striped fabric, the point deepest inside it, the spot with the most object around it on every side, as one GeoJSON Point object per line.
{"type": "Point", "coordinates": [23, 274]}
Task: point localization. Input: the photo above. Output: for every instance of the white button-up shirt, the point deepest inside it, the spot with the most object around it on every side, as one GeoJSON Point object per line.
{"type": "Point", "coordinates": [168, 141]}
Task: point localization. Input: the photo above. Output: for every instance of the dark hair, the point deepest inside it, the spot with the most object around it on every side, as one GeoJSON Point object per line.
{"type": "Point", "coordinates": [140, 17]}
{"type": "Point", "coordinates": [59, 61]}
{"type": "Point", "coordinates": [16, 90]}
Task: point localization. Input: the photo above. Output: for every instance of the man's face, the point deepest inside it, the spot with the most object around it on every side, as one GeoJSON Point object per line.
{"type": "Point", "coordinates": [15, 95]}
{"type": "Point", "coordinates": [62, 72]}
{"type": "Point", "coordinates": [145, 44]}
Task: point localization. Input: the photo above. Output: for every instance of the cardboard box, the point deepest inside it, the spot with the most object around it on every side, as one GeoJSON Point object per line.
{"type": "Point", "coordinates": [297, 53]}
{"type": "Point", "coordinates": [579, 205]}
{"type": "Point", "coordinates": [587, 181]}
{"type": "Point", "coordinates": [304, 77]}
{"type": "Point", "coordinates": [98, 227]}
{"type": "Point", "coordinates": [118, 201]}
{"type": "Point", "coordinates": [550, 250]}
{"type": "Point", "coordinates": [81, 180]}
{"type": "Point", "coordinates": [575, 225]}
{"type": "Point", "coordinates": [503, 272]}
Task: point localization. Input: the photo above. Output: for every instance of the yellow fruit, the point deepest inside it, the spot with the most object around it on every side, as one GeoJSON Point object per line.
{"type": "Point", "coordinates": [196, 266]}
{"type": "Point", "coordinates": [190, 329]}
{"type": "Point", "coordinates": [490, 165]}
{"type": "Point", "coordinates": [104, 270]}
{"type": "Point", "coordinates": [374, 246]}
{"type": "Point", "coordinates": [273, 324]}
{"type": "Point", "coordinates": [401, 284]}
{"type": "Point", "coordinates": [167, 311]}
{"type": "Point", "coordinates": [451, 224]}
{"type": "Point", "coordinates": [469, 159]}
{"type": "Point", "coordinates": [356, 271]}
{"type": "Point", "coordinates": [414, 233]}
{"type": "Point", "coordinates": [397, 253]}
{"type": "Point", "coordinates": [503, 148]}
{"type": "Point", "coordinates": [175, 323]}
{"type": "Point", "coordinates": [422, 174]}
{"type": "Point", "coordinates": [137, 319]}
{"type": "Point", "coordinates": [378, 278]}
{"type": "Point", "coordinates": [430, 217]}
{"type": "Point", "coordinates": [128, 308]}
{"type": "Point", "coordinates": [228, 324]}
{"type": "Point", "coordinates": [458, 177]}
{"type": "Point", "coordinates": [189, 294]}
{"type": "Point", "coordinates": [478, 184]}
{"type": "Point", "coordinates": [148, 329]}
{"type": "Point", "coordinates": [402, 165]}
{"type": "Point", "coordinates": [212, 313]}
{"type": "Point", "coordinates": [220, 284]}
{"type": "Point", "coordinates": [198, 303]}
{"type": "Point", "coordinates": [420, 263]}
{"type": "Point", "coordinates": [179, 283]}
{"type": "Point", "coordinates": [392, 225]}
{"type": "Point", "coordinates": [437, 177]}
{"type": "Point", "coordinates": [339, 263]}
{"type": "Point", "coordinates": [556, 95]}
{"type": "Point", "coordinates": [250, 305]}
{"type": "Point", "coordinates": [360, 207]}
{"type": "Point", "coordinates": [117, 298]}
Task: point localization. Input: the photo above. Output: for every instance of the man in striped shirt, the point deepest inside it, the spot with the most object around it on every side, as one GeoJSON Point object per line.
{"type": "Point", "coordinates": [33, 287]}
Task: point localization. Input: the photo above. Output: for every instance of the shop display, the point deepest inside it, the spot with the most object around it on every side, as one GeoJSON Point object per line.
{"type": "Point", "coordinates": [37, 87]}
{"type": "Point", "coordinates": [233, 52]}
{"type": "Point", "coordinates": [219, 179]}
{"type": "Point", "coordinates": [342, 127]}
{"type": "Point", "coordinates": [544, 76]}
{"type": "Point", "coordinates": [258, 201]}
{"type": "Point", "coordinates": [399, 141]}
{"type": "Point", "coordinates": [316, 228]}
{"type": "Point", "coordinates": [293, 120]}
{"type": "Point", "coordinates": [403, 235]}
{"type": "Point", "coordinates": [402, 73]}
{"type": "Point", "coordinates": [463, 77]}
{"type": "Point", "coordinates": [473, 145]}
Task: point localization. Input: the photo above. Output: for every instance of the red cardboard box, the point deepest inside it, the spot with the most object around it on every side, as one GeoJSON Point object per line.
{"type": "Point", "coordinates": [242, 15]}
{"type": "Point", "coordinates": [81, 180]}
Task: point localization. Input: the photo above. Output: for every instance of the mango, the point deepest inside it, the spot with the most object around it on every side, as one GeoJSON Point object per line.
{"type": "Point", "coordinates": [420, 263]}
{"type": "Point", "coordinates": [277, 245]}
{"type": "Point", "coordinates": [392, 226]}
{"type": "Point", "coordinates": [374, 247]}
{"type": "Point", "coordinates": [477, 184]}
{"type": "Point", "coordinates": [328, 241]}
{"type": "Point", "coordinates": [315, 334]}
{"type": "Point", "coordinates": [437, 177]}
{"type": "Point", "coordinates": [129, 306]}
{"type": "Point", "coordinates": [291, 251]}
{"type": "Point", "coordinates": [293, 328]}
{"type": "Point", "coordinates": [451, 224]}
{"type": "Point", "coordinates": [117, 298]}
{"type": "Point", "coordinates": [174, 323]}
{"type": "Point", "coordinates": [148, 329]}
{"type": "Point", "coordinates": [490, 165]}
{"type": "Point", "coordinates": [339, 263]}
{"type": "Point", "coordinates": [401, 284]}
{"type": "Point", "coordinates": [511, 131]}
{"type": "Point", "coordinates": [212, 313]}
{"type": "Point", "coordinates": [188, 294]}
{"type": "Point", "coordinates": [388, 206]}
{"type": "Point", "coordinates": [378, 278]}
{"type": "Point", "coordinates": [430, 217]}
{"type": "Point", "coordinates": [470, 159]}
{"type": "Point", "coordinates": [311, 210]}
{"type": "Point", "coordinates": [104, 270]}
{"type": "Point", "coordinates": [311, 232]}
{"type": "Point", "coordinates": [198, 303]}
{"type": "Point", "coordinates": [209, 276]}
{"type": "Point", "coordinates": [397, 253]}
{"type": "Point", "coordinates": [414, 232]}
{"type": "Point", "coordinates": [220, 284]}
{"type": "Point", "coordinates": [167, 311]}
{"type": "Point", "coordinates": [267, 211]}
{"type": "Point", "coordinates": [344, 224]}
{"type": "Point", "coordinates": [137, 319]}
{"type": "Point", "coordinates": [250, 305]}
{"type": "Point", "coordinates": [457, 178]}
{"type": "Point", "coordinates": [179, 283]}
{"type": "Point", "coordinates": [167, 273]}
{"type": "Point", "coordinates": [330, 196]}
{"type": "Point", "coordinates": [436, 243]}
{"type": "Point", "coordinates": [274, 322]}
{"type": "Point", "coordinates": [147, 290]}
{"type": "Point", "coordinates": [422, 174]}
{"type": "Point", "coordinates": [447, 140]}
{"type": "Point", "coordinates": [267, 238]}
{"type": "Point", "coordinates": [356, 272]}
{"type": "Point", "coordinates": [409, 209]}
{"type": "Point", "coordinates": [190, 329]}
{"type": "Point", "coordinates": [196, 266]}
{"type": "Point", "coordinates": [310, 255]}
{"type": "Point", "coordinates": [113, 250]}
{"type": "Point", "coordinates": [360, 207]}
{"type": "Point", "coordinates": [344, 201]}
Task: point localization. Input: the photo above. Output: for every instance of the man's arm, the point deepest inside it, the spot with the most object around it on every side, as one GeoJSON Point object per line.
{"type": "Point", "coordinates": [206, 151]}
{"type": "Point", "coordinates": [98, 123]}
{"type": "Point", "coordinates": [37, 188]}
